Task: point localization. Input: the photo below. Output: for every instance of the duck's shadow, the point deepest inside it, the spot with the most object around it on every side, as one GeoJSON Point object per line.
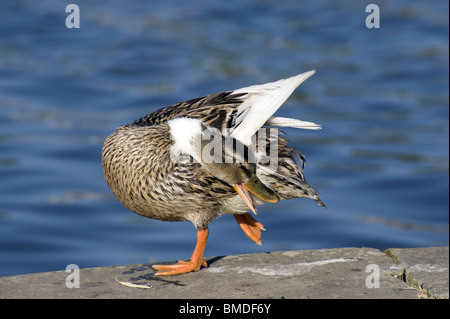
{"type": "Point", "coordinates": [144, 274]}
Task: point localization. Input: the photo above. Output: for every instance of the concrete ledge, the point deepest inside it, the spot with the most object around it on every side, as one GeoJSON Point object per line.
{"type": "Point", "coordinates": [330, 273]}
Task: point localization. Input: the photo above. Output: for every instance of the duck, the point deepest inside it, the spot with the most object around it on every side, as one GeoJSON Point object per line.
{"type": "Point", "coordinates": [196, 160]}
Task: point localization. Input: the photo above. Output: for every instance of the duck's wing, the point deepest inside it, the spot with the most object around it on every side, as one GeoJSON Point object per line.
{"type": "Point", "coordinates": [216, 110]}
{"type": "Point", "coordinates": [260, 102]}
{"type": "Point", "coordinates": [239, 113]}
{"type": "Point", "coordinates": [283, 173]}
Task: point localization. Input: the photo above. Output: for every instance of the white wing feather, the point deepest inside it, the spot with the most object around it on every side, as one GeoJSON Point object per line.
{"type": "Point", "coordinates": [288, 122]}
{"type": "Point", "coordinates": [262, 101]}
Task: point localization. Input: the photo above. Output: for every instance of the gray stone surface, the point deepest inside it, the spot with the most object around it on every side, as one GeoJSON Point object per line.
{"type": "Point", "coordinates": [329, 273]}
{"type": "Point", "coordinates": [424, 268]}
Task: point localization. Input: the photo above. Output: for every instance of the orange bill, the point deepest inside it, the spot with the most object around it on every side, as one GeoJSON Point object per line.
{"type": "Point", "coordinates": [246, 197]}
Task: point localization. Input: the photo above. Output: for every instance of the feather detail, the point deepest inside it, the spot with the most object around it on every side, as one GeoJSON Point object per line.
{"type": "Point", "coordinates": [261, 102]}
{"type": "Point", "coordinates": [183, 132]}
{"type": "Point", "coordinates": [289, 122]}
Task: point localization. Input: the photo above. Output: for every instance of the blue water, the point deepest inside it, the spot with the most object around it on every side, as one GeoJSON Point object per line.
{"type": "Point", "coordinates": [380, 161]}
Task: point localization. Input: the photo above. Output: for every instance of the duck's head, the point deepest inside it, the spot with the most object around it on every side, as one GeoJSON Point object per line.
{"type": "Point", "coordinates": [223, 157]}
{"type": "Point", "coordinates": [242, 176]}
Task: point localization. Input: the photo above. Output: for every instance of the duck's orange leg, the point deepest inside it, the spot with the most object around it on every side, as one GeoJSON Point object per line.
{"type": "Point", "coordinates": [187, 266]}
{"type": "Point", "coordinates": [251, 227]}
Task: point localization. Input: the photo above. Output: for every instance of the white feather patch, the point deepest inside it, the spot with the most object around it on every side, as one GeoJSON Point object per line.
{"type": "Point", "coordinates": [182, 132]}
{"type": "Point", "coordinates": [263, 101]}
{"type": "Point", "coordinates": [288, 122]}
{"type": "Point", "coordinates": [132, 285]}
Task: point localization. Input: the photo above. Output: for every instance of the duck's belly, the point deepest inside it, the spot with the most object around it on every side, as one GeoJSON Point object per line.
{"type": "Point", "coordinates": [235, 205]}
{"type": "Point", "coordinates": [200, 211]}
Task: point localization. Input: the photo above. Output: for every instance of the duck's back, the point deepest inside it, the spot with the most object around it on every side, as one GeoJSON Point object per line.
{"type": "Point", "coordinates": [215, 110]}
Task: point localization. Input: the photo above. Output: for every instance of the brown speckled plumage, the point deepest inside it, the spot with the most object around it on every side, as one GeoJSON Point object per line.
{"type": "Point", "coordinates": [139, 171]}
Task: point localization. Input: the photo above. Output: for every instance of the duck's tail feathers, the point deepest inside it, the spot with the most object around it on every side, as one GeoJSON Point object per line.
{"type": "Point", "coordinates": [288, 122]}
{"type": "Point", "coordinates": [261, 102]}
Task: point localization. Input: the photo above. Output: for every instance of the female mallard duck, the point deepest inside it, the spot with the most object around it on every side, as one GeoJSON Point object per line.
{"type": "Point", "coordinates": [161, 166]}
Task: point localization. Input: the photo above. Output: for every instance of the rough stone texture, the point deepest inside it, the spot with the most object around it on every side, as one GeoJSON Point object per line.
{"type": "Point", "coordinates": [424, 268]}
{"type": "Point", "coordinates": [329, 273]}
